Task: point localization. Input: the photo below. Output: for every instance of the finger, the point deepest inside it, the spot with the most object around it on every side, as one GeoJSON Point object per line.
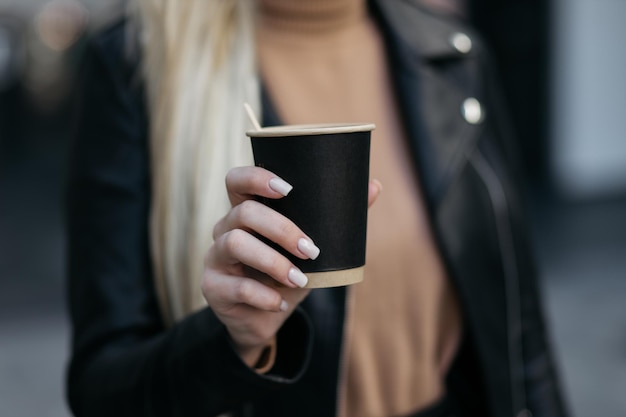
{"type": "Point", "coordinates": [238, 246]}
{"type": "Point", "coordinates": [375, 188]}
{"type": "Point", "coordinates": [293, 296]}
{"type": "Point", "coordinates": [243, 183]}
{"type": "Point", "coordinates": [225, 291]}
{"type": "Point", "coordinates": [253, 216]}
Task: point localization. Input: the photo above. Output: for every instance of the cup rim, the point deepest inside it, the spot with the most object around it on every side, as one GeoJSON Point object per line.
{"type": "Point", "coordinates": [310, 129]}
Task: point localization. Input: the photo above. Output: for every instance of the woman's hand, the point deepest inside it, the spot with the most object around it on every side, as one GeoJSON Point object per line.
{"type": "Point", "coordinates": [250, 286]}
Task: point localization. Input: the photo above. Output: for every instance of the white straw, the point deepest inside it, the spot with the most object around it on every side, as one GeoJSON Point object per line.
{"type": "Point", "coordinates": [251, 116]}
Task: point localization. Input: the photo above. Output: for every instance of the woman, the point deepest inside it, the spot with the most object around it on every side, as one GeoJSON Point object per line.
{"type": "Point", "coordinates": [448, 319]}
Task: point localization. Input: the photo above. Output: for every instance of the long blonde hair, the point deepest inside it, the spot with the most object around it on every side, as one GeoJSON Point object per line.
{"type": "Point", "coordinates": [199, 67]}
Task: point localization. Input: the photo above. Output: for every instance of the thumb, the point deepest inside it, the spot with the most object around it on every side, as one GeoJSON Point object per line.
{"type": "Point", "coordinates": [375, 188]}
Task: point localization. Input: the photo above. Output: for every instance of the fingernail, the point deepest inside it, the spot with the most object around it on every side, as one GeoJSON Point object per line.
{"type": "Point", "coordinates": [280, 186]}
{"type": "Point", "coordinates": [284, 306]}
{"type": "Point", "coordinates": [297, 277]}
{"type": "Point", "coordinates": [308, 248]}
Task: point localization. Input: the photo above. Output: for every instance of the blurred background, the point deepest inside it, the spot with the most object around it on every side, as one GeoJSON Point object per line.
{"type": "Point", "coordinates": [561, 65]}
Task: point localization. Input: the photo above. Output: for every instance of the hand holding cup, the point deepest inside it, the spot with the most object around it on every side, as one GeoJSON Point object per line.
{"type": "Point", "coordinates": [251, 287]}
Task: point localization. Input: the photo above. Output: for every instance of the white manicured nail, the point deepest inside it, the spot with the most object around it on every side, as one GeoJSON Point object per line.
{"type": "Point", "coordinates": [297, 277]}
{"type": "Point", "coordinates": [280, 186]}
{"type": "Point", "coordinates": [284, 306]}
{"type": "Point", "coordinates": [308, 248]}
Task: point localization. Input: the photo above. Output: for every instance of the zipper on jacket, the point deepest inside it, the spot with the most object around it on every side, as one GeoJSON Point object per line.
{"type": "Point", "coordinates": [502, 216]}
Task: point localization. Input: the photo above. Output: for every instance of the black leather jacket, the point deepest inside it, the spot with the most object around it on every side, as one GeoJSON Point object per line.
{"type": "Point", "coordinates": [126, 363]}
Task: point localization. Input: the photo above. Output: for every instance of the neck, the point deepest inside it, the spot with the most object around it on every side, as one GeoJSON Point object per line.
{"type": "Point", "coordinates": [312, 16]}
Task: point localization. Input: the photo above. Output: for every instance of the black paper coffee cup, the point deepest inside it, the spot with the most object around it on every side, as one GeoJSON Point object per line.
{"type": "Point", "coordinates": [328, 167]}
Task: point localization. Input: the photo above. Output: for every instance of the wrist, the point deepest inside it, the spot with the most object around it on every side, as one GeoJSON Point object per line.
{"type": "Point", "coordinates": [260, 358]}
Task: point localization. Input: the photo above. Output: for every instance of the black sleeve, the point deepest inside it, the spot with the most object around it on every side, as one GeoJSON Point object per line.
{"type": "Point", "coordinates": [124, 362]}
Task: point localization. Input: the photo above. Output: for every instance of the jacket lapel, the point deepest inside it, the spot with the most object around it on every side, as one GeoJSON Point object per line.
{"type": "Point", "coordinates": [431, 79]}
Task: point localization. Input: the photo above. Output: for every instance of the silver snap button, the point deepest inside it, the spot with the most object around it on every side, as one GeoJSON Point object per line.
{"type": "Point", "coordinates": [472, 111]}
{"type": "Point", "coordinates": [525, 413]}
{"type": "Point", "coordinates": [461, 42]}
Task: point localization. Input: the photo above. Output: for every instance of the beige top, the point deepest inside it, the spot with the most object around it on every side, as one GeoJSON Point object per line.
{"type": "Point", "coordinates": [323, 61]}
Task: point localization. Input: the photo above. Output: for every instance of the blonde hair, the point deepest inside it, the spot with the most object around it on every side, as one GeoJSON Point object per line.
{"type": "Point", "coordinates": [199, 67]}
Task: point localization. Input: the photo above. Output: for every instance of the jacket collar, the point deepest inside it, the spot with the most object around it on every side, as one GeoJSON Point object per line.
{"type": "Point", "coordinates": [429, 35]}
{"type": "Point", "coordinates": [431, 94]}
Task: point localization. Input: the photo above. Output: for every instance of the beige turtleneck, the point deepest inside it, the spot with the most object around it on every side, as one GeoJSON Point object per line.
{"type": "Point", "coordinates": [324, 61]}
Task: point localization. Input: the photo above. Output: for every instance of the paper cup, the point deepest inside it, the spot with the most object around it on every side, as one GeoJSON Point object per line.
{"type": "Point", "coordinates": [328, 167]}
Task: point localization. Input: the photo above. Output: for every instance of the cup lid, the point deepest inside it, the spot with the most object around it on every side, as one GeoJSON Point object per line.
{"type": "Point", "coordinates": [309, 130]}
